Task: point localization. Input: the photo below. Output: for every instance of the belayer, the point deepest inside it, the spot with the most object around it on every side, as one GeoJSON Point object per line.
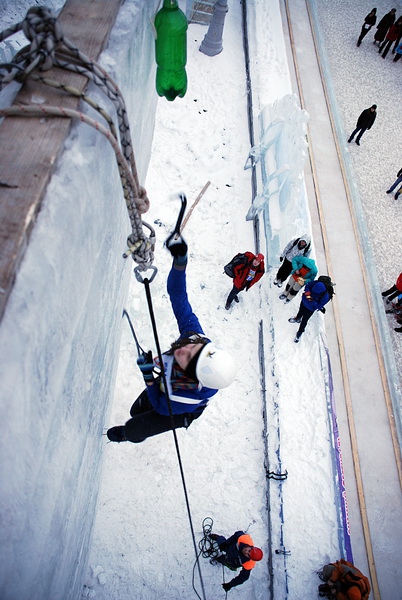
{"type": "Point", "coordinates": [236, 551]}
{"type": "Point", "coordinates": [195, 369]}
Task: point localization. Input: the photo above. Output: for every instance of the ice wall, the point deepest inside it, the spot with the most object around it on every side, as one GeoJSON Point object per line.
{"type": "Point", "coordinates": [281, 156]}
{"type": "Point", "coordinates": [60, 337]}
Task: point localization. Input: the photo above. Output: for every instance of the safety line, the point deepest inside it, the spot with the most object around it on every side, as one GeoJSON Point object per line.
{"type": "Point", "coordinates": [341, 348]}
{"type": "Point", "coordinates": [176, 441]}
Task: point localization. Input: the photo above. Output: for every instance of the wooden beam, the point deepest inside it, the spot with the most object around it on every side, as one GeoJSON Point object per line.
{"type": "Point", "coordinates": [30, 147]}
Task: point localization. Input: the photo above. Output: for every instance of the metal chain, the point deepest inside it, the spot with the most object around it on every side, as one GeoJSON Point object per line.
{"type": "Point", "coordinates": [50, 48]}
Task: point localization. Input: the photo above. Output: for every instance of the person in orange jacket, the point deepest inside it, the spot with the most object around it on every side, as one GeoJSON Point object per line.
{"type": "Point", "coordinates": [344, 581]}
{"type": "Point", "coordinates": [237, 551]}
{"type": "Point", "coordinates": [245, 275]}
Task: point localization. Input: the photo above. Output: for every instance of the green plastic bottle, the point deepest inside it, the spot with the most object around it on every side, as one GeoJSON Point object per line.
{"type": "Point", "coordinates": [171, 50]}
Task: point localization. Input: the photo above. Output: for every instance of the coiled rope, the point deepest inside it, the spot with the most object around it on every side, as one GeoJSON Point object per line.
{"type": "Point", "coordinates": [48, 48]}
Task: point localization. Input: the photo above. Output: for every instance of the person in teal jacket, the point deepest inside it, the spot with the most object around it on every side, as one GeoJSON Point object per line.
{"type": "Point", "coordinates": [304, 270]}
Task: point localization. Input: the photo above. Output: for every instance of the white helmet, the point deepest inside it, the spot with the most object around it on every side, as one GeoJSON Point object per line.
{"type": "Point", "coordinates": [215, 367]}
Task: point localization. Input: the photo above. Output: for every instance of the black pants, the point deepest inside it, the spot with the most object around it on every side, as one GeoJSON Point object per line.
{"type": "Point", "coordinates": [363, 34]}
{"type": "Point", "coordinates": [352, 135]}
{"type": "Point", "coordinates": [146, 422]}
{"type": "Point", "coordinates": [305, 314]}
{"type": "Point", "coordinates": [392, 293]}
{"type": "Point", "coordinates": [284, 270]}
{"type": "Point", "coordinates": [232, 295]}
{"type": "Point", "coordinates": [386, 45]}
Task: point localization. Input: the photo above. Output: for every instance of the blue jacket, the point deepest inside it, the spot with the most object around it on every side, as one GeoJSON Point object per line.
{"type": "Point", "coordinates": [181, 400]}
{"type": "Point", "coordinates": [303, 261]}
{"type": "Point", "coordinates": [315, 296]}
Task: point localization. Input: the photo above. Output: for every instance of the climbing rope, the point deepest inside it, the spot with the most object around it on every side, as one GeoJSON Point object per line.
{"type": "Point", "coordinates": [48, 48]}
{"type": "Point", "coordinates": [146, 283]}
{"type": "Point", "coordinates": [208, 548]}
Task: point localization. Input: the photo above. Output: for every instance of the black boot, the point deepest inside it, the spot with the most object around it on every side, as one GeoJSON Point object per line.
{"type": "Point", "coordinates": [398, 329]}
{"type": "Point", "coordinates": [324, 590]}
{"type": "Point", "coordinates": [117, 434]}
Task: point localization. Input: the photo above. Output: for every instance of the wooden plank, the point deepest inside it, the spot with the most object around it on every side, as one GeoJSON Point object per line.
{"type": "Point", "coordinates": [30, 147]}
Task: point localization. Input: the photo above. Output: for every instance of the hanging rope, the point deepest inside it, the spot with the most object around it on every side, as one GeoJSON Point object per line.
{"type": "Point", "coordinates": [50, 48]}
{"type": "Point", "coordinates": [146, 283]}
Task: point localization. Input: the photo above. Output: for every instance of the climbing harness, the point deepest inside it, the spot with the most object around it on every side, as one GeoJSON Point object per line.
{"type": "Point", "coordinates": [48, 48]}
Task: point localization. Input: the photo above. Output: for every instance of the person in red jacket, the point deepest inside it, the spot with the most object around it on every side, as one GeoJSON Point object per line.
{"type": "Point", "coordinates": [237, 551]}
{"type": "Point", "coordinates": [393, 291]}
{"type": "Point", "coordinates": [394, 33]}
{"type": "Point", "coordinates": [246, 275]}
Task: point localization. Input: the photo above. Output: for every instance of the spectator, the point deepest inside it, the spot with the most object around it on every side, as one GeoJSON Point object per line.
{"type": "Point", "coordinates": [344, 581]}
{"type": "Point", "coordinates": [393, 291]}
{"type": "Point", "coordinates": [300, 246]}
{"type": "Point", "coordinates": [364, 122]}
{"type": "Point", "coordinates": [393, 35]}
{"type": "Point", "coordinates": [398, 179]}
{"type": "Point", "coordinates": [398, 53]}
{"type": "Point", "coordinates": [396, 310]}
{"type": "Point", "coordinates": [195, 369]}
{"type": "Point", "coordinates": [315, 297]}
{"type": "Point", "coordinates": [238, 551]}
{"type": "Point", "coordinates": [304, 271]}
{"type": "Point", "coordinates": [369, 21]}
{"type": "Point", "coordinates": [384, 25]}
{"type": "Point", "coordinates": [245, 274]}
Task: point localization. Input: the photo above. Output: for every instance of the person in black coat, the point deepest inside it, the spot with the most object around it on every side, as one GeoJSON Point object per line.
{"type": "Point", "coordinates": [384, 25]}
{"type": "Point", "coordinates": [393, 35]}
{"type": "Point", "coordinates": [397, 181]}
{"type": "Point", "coordinates": [236, 551]}
{"type": "Point", "coordinates": [369, 21]}
{"type": "Point", "coordinates": [364, 122]}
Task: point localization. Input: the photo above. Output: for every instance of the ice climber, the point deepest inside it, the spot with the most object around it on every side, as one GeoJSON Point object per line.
{"type": "Point", "coordinates": [237, 551]}
{"type": "Point", "coordinates": [248, 270]}
{"type": "Point", "coordinates": [299, 246]}
{"type": "Point", "coordinates": [195, 369]}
